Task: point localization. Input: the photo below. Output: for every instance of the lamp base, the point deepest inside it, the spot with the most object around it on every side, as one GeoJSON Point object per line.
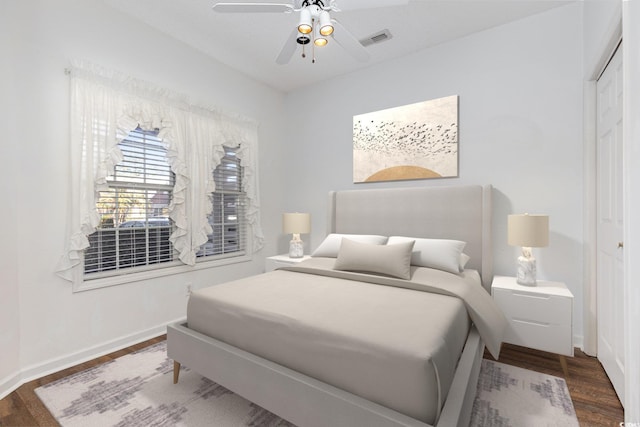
{"type": "Point", "coordinates": [296, 248]}
{"type": "Point", "coordinates": [526, 271]}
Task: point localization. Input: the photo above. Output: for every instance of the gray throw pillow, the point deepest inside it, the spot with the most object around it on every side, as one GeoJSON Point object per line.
{"type": "Point", "coordinates": [391, 260]}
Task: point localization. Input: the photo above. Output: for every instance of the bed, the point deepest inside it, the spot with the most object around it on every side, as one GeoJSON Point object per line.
{"type": "Point", "coordinates": [329, 343]}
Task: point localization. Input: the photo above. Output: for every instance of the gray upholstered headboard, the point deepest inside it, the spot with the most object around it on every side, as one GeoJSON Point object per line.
{"type": "Point", "coordinates": [456, 212]}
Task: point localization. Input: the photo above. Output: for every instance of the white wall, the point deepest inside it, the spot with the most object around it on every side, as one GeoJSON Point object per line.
{"type": "Point", "coordinates": [45, 325]}
{"type": "Point", "coordinates": [601, 19]}
{"type": "Point", "coordinates": [9, 286]}
{"type": "Point", "coordinates": [520, 119]}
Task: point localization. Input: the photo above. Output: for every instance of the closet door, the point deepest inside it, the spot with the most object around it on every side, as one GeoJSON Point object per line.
{"type": "Point", "coordinates": [610, 247]}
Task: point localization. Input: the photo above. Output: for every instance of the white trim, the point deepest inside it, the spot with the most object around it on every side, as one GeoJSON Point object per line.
{"type": "Point", "coordinates": [589, 323]}
{"type": "Point", "coordinates": [578, 342]}
{"type": "Point", "coordinates": [9, 384]}
{"type": "Point", "coordinates": [175, 268]}
{"type": "Point", "coordinates": [631, 194]}
{"type": "Point", "coordinates": [593, 71]}
{"type": "Point", "coordinates": [50, 366]}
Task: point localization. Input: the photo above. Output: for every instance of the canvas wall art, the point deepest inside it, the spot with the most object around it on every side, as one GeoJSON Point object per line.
{"type": "Point", "coordinates": [416, 141]}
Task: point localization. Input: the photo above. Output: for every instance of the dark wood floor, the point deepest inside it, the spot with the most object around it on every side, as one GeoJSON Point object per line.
{"type": "Point", "coordinates": [593, 396]}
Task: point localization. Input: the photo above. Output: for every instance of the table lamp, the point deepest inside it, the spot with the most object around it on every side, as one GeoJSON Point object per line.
{"type": "Point", "coordinates": [527, 231]}
{"type": "Point", "coordinates": [296, 224]}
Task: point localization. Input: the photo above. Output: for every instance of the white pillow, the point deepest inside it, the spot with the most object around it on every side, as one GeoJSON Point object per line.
{"type": "Point", "coordinates": [441, 254]}
{"type": "Point", "coordinates": [331, 244]}
{"type": "Point", "coordinates": [464, 259]}
{"type": "Point", "coordinates": [391, 260]}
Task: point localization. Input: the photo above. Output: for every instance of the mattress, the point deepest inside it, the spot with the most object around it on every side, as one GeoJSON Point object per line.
{"type": "Point", "coordinates": [394, 346]}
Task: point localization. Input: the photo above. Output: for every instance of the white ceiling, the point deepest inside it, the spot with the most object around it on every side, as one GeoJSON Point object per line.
{"type": "Point", "coordinates": [250, 43]}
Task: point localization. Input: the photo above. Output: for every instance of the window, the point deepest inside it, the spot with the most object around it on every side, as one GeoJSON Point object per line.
{"type": "Point", "coordinates": [135, 226]}
{"type": "Point", "coordinates": [118, 225]}
{"type": "Point", "coordinates": [227, 219]}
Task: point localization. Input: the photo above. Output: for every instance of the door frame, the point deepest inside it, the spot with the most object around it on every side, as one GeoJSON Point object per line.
{"type": "Point", "coordinates": [631, 174]}
{"type": "Point", "coordinates": [619, 28]}
{"type": "Point", "coordinates": [607, 49]}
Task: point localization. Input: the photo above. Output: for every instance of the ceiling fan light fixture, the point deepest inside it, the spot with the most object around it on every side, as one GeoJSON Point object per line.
{"type": "Point", "coordinates": [318, 39]}
{"type": "Point", "coordinates": [303, 39]}
{"type": "Point", "coordinates": [326, 28]}
{"type": "Point", "coordinates": [320, 42]}
{"type": "Point", "coordinates": [305, 26]}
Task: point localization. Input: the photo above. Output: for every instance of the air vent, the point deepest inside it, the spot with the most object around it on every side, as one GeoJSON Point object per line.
{"type": "Point", "coordinates": [378, 37]}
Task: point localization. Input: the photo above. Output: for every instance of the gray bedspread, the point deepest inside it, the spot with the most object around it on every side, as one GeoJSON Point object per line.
{"type": "Point", "coordinates": [483, 311]}
{"type": "Point", "coordinates": [389, 344]}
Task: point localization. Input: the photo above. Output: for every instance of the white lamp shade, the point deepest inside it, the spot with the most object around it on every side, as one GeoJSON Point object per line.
{"type": "Point", "coordinates": [528, 230]}
{"type": "Point", "coordinates": [296, 223]}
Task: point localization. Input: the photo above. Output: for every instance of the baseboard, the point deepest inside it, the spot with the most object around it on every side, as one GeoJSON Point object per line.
{"type": "Point", "coordinates": [45, 368]}
{"type": "Point", "coordinates": [578, 342]}
{"type": "Point", "coordinates": [8, 384]}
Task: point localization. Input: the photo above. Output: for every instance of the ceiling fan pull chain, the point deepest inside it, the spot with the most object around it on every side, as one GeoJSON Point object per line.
{"type": "Point", "coordinates": [313, 53]}
{"type": "Point", "coordinates": [313, 41]}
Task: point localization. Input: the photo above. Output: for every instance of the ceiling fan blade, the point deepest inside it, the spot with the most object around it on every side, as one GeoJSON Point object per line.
{"type": "Point", "coordinates": [345, 5]}
{"type": "Point", "coordinates": [289, 48]}
{"type": "Point", "coordinates": [244, 7]}
{"type": "Point", "coordinates": [348, 41]}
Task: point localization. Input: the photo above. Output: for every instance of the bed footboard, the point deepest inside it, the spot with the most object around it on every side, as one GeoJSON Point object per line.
{"type": "Point", "coordinates": [303, 400]}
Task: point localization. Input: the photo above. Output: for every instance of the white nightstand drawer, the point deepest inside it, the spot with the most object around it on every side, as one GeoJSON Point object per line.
{"type": "Point", "coordinates": [542, 308]}
{"type": "Point", "coordinates": [538, 316]}
{"type": "Point", "coordinates": [540, 335]}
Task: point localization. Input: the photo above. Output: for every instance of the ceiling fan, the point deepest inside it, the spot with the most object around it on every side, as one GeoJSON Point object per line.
{"type": "Point", "coordinates": [315, 23]}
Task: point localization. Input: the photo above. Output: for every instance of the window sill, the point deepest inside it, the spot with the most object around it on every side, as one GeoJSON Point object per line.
{"type": "Point", "coordinates": [98, 283]}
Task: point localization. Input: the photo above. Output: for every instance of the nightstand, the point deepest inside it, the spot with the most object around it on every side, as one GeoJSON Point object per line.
{"type": "Point", "coordinates": [539, 317]}
{"type": "Point", "coordinates": [276, 261]}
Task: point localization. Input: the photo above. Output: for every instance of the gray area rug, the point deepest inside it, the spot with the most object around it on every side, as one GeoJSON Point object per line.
{"type": "Point", "coordinates": [511, 396]}
{"type": "Point", "coordinates": [138, 390]}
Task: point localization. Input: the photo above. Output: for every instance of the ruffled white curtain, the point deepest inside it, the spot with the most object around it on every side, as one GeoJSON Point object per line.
{"type": "Point", "coordinates": [105, 107]}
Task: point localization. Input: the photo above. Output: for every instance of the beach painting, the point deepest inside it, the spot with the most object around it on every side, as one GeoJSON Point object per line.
{"type": "Point", "coordinates": [416, 141]}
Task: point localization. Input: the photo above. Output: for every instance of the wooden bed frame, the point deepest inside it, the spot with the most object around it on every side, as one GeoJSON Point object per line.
{"type": "Point", "coordinates": [459, 212]}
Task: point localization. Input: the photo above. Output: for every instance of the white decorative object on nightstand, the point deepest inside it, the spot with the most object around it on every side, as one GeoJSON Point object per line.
{"type": "Point", "coordinates": [527, 231]}
{"type": "Point", "coordinates": [296, 224]}
{"type": "Point", "coordinates": [539, 317]}
{"type": "Point", "coordinates": [277, 261]}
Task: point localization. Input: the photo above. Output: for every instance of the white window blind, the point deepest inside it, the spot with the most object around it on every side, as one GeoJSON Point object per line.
{"type": "Point", "coordinates": [227, 218]}
{"type": "Point", "coordinates": [135, 226]}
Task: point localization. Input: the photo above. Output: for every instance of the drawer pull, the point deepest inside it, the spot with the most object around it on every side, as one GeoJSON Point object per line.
{"type": "Point", "coordinates": [532, 322]}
